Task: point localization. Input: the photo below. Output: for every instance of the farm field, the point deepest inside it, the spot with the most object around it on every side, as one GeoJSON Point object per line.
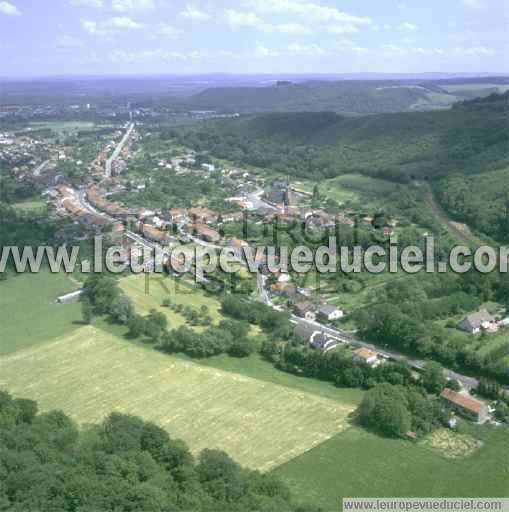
{"type": "Point", "coordinates": [61, 127]}
{"type": "Point", "coordinates": [38, 319]}
{"type": "Point", "coordinates": [256, 367]}
{"type": "Point", "coordinates": [358, 463]}
{"type": "Point", "coordinates": [90, 373]}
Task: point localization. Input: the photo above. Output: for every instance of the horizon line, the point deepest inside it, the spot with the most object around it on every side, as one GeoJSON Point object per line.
{"type": "Point", "coordinates": [458, 74]}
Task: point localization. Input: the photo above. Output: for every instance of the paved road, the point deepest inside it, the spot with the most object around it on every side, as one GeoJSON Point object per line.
{"type": "Point", "coordinates": [118, 149]}
{"type": "Point", "coordinates": [343, 336]}
{"type": "Point", "coordinates": [262, 291]}
{"type": "Point", "coordinates": [254, 199]}
{"type": "Point", "coordinates": [40, 168]}
{"type": "Point", "coordinates": [417, 364]}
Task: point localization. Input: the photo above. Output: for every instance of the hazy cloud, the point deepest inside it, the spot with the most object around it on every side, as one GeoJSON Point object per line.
{"type": "Point", "coordinates": [65, 41]}
{"type": "Point", "coordinates": [237, 19]}
{"type": "Point", "coordinates": [115, 24]}
{"type": "Point", "coordinates": [303, 49]}
{"type": "Point", "coordinates": [310, 12]}
{"type": "Point", "coordinates": [94, 4]}
{"type": "Point", "coordinates": [155, 55]}
{"type": "Point", "coordinates": [473, 4]}
{"type": "Point", "coordinates": [9, 9]}
{"type": "Point", "coordinates": [408, 27]}
{"type": "Point", "coordinates": [476, 51]}
{"type": "Point", "coordinates": [132, 5]}
{"type": "Point", "coordinates": [244, 19]}
{"type": "Point", "coordinates": [262, 52]}
{"type": "Point", "coordinates": [169, 30]}
{"type": "Point", "coordinates": [347, 46]}
{"type": "Point", "coordinates": [194, 13]}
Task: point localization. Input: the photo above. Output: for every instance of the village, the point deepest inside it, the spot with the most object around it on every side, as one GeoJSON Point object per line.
{"type": "Point", "coordinates": [265, 202]}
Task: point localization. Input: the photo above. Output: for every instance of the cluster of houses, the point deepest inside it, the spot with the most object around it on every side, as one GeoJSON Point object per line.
{"type": "Point", "coordinates": [31, 159]}
{"type": "Point", "coordinates": [321, 339]}
{"type": "Point", "coordinates": [482, 321]}
{"type": "Point", "coordinates": [19, 152]}
{"type": "Point", "coordinates": [68, 203]}
{"type": "Point", "coordinates": [460, 402]}
{"type": "Point", "coordinates": [113, 155]}
{"type": "Point", "coordinates": [325, 312]}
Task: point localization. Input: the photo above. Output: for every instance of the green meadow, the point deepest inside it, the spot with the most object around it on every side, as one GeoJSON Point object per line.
{"type": "Point", "coordinates": [28, 312]}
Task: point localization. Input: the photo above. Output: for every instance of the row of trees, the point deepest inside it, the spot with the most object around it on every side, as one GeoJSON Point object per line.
{"type": "Point", "coordinates": [275, 323]}
{"type": "Point", "coordinates": [339, 367]}
{"type": "Point", "coordinates": [229, 337]}
{"type": "Point", "coordinates": [396, 402]}
{"type": "Point", "coordinates": [123, 464]}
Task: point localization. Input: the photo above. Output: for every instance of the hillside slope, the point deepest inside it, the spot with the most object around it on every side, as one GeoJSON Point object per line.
{"type": "Point", "coordinates": [470, 138]}
{"type": "Point", "coordinates": [471, 141]}
{"type": "Point", "coordinates": [349, 96]}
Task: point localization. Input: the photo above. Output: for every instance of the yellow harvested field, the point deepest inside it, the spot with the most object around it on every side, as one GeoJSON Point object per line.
{"type": "Point", "coordinates": [90, 373]}
{"type": "Point", "coordinates": [452, 444]}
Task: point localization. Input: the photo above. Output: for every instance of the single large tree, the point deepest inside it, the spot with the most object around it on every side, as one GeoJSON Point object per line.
{"type": "Point", "coordinates": [385, 408]}
{"type": "Point", "coordinates": [433, 377]}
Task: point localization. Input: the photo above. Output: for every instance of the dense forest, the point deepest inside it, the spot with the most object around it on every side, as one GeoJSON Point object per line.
{"type": "Point", "coordinates": [123, 464]}
{"type": "Point", "coordinates": [470, 137]}
{"type": "Point", "coordinates": [481, 200]}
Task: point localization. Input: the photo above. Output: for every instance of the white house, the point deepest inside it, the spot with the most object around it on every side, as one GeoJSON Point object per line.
{"type": "Point", "coordinates": [366, 356]}
{"type": "Point", "coordinates": [330, 313]}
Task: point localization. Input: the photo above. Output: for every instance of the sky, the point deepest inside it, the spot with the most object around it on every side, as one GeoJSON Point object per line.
{"type": "Point", "coordinates": [109, 37]}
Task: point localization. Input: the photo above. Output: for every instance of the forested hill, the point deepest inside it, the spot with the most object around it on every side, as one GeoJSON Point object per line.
{"type": "Point", "coordinates": [471, 137]}
{"type": "Point", "coordinates": [348, 96]}
{"type": "Point", "coordinates": [471, 140]}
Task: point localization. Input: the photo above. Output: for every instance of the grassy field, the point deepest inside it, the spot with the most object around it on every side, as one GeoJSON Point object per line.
{"type": "Point", "coordinates": [90, 373]}
{"type": "Point", "coordinates": [474, 87]}
{"type": "Point", "coordinates": [63, 127]}
{"type": "Point", "coordinates": [257, 368]}
{"type": "Point", "coordinates": [31, 205]}
{"type": "Point", "coordinates": [161, 287]}
{"type": "Point", "coordinates": [28, 313]}
{"type": "Point", "coordinates": [357, 463]}
{"type": "Point", "coordinates": [349, 187]}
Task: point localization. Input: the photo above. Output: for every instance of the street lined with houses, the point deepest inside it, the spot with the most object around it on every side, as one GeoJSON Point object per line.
{"type": "Point", "coordinates": [255, 200]}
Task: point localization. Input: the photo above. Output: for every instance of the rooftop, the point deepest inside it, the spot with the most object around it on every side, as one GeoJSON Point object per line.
{"type": "Point", "coordinates": [463, 401]}
{"type": "Point", "coordinates": [328, 309]}
{"type": "Point", "coordinates": [477, 319]}
{"type": "Point", "coordinates": [365, 353]}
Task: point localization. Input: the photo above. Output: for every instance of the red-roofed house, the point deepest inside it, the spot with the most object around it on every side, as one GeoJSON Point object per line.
{"type": "Point", "coordinates": [465, 405]}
